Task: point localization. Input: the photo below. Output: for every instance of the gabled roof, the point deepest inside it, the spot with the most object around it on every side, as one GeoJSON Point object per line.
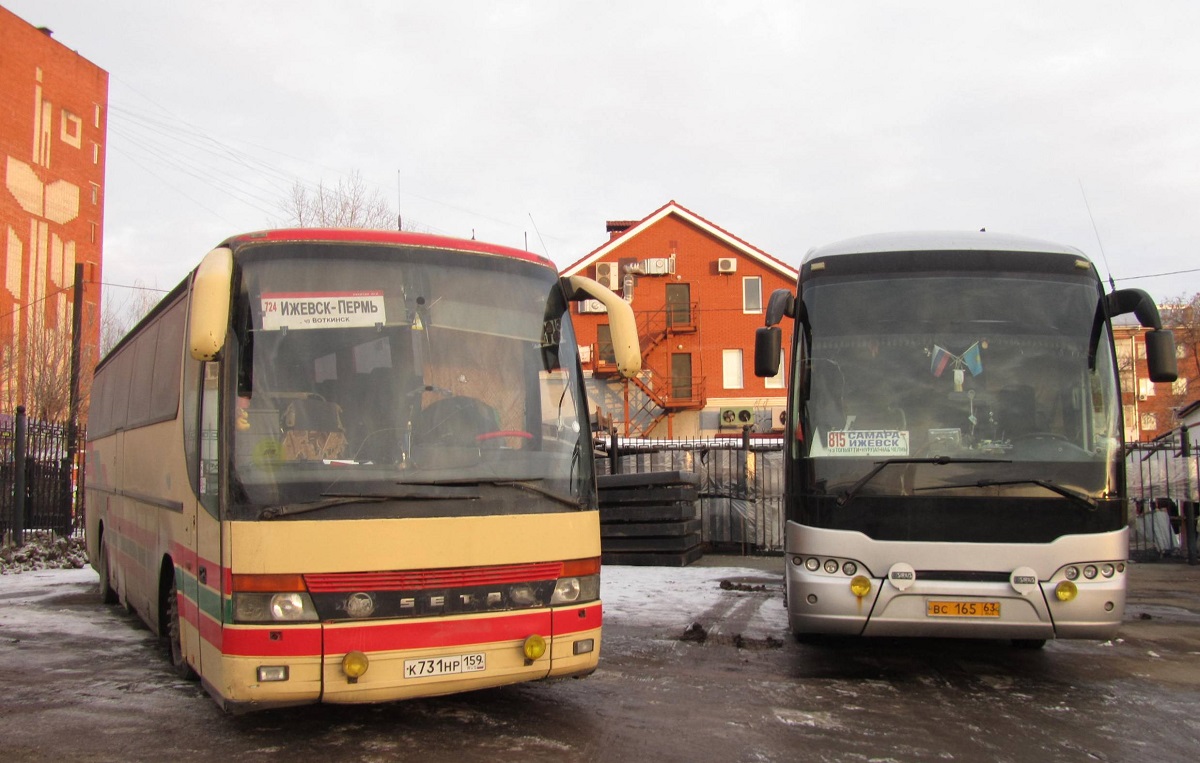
{"type": "Point", "coordinates": [672, 208]}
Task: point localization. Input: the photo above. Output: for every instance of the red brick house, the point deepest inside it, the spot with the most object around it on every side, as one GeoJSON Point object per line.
{"type": "Point", "coordinates": [1150, 409]}
{"type": "Point", "coordinates": [698, 293]}
{"type": "Point", "coordinates": [53, 122]}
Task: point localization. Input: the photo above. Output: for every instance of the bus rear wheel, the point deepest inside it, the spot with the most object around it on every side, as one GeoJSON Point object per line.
{"type": "Point", "coordinates": [108, 594]}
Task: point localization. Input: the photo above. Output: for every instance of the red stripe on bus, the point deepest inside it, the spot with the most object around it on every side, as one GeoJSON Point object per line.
{"type": "Point", "coordinates": [424, 240]}
{"type": "Point", "coordinates": [293, 641]}
{"type": "Point", "coordinates": [265, 641]}
{"type": "Point", "coordinates": [435, 633]}
{"type": "Point", "coordinates": [571, 621]}
{"type": "Point", "coordinates": [410, 580]}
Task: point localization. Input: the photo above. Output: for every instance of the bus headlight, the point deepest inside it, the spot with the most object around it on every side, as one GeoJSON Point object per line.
{"type": "Point", "coordinates": [254, 607]}
{"type": "Point", "coordinates": [576, 590]}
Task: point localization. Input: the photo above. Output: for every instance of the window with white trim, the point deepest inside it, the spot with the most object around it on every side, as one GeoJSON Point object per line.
{"type": "Point", "coordinates": [752, 294]}
{"type": "Point", "coordinates": [731, 366]}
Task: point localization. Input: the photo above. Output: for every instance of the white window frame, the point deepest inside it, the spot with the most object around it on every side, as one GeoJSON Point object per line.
{"type": "Point", "coordinates": [779, 380]}
{"type": "Point", "coordinates": [732, 374]}
{"type": "Point", "coordinates": [746, 307]}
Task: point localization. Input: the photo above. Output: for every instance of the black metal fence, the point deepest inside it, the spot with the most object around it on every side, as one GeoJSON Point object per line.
{"type": "Point", "coordinates": [741, 484]}
{"type": "Point", "coordinates": [741, 489]}
{"type": "Point", "coordinates": [1162, 478]}
{"type": "Point", "coordinates": [51, 479]}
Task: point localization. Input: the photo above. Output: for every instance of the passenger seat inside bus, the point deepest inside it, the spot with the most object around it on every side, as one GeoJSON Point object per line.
{"type": "Point", "coordinates": [312, 430]}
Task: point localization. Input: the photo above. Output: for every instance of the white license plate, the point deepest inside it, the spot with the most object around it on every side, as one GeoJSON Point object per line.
{"type": "Point", "coordinates": [445, 666]}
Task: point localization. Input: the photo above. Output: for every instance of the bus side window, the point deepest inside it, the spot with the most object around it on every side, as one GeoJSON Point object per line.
{"type": "Point", "coordinates": [209, 426]}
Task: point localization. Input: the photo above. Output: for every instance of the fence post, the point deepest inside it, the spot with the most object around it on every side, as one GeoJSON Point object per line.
{"type": "Point", "coordinates": [614, 456]}
{"type": "Point", "coordinates": [1188, 506]}
{"type": "Point", "coordinates": [19, 478]}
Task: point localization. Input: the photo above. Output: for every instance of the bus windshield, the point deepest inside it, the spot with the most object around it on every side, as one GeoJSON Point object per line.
{"type": "Point", "coordinates": [369, 378]}
{"type": "Point", "coordinates": [957, 385]}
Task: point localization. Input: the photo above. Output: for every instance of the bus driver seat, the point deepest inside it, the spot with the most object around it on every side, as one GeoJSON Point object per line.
{"type": "Point", "coordinates": [446, 432]}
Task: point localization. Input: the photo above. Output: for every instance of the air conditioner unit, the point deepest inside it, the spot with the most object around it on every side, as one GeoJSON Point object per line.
{"type": "Point", "coordinates": [736, 418]}
{"type": "Point", "coordinates": [592, 306]}
{"type": "Point", "coordinates": [656, 266]}
{"type": "Point", "coordinates": [608, 274]}
{"type": "Point", "coordinates": [778, 418]}
{"type": "Point", "coordinates": [727, 265]}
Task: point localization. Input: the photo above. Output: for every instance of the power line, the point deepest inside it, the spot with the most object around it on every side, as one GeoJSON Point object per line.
{"type": "Point", "coordinates": [1160, 275]}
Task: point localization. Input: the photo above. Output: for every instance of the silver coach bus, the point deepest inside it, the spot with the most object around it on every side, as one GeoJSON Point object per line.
{"type": "Point", "coordinates": [953, 462]}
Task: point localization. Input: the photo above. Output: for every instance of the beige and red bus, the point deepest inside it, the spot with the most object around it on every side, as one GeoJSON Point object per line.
{"type": "Point", "coordinates": [354, 466]}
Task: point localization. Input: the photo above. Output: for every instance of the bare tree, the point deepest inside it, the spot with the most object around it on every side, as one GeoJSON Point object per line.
{"type": "Point", "coordinates": [349, 204]}
{"type": "Point", "coordinates": [122, 313]}
{"type": "Point", "coordinates": [1182, 316]}
{"type": "Point", "coordinates": [36, 366]}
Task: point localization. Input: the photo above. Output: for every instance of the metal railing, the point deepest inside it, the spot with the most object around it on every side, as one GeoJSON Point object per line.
{"type": "Point", "coordinates": [35, 463]}
{"type": "Point", "coordinates": [741, 483]}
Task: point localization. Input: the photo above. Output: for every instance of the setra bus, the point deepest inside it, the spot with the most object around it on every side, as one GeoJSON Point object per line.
{"type": "Point", "coordinates": [954, 458]}
{"type": "Point", "coordinates": [354, 466]}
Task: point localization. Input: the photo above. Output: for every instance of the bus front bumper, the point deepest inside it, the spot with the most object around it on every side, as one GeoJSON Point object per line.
{"type": "Point", "coordinates": [418, 658]}
{"type": "Point", "coordinates": [824, 604]}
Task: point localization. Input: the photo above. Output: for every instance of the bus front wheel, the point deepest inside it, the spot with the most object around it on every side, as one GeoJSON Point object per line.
{"type": "Point", "coordinates": [174, 634]}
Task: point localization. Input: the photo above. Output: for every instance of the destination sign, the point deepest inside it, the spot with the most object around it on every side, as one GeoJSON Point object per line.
{"type": "Point", "coordinates": [319, 310]}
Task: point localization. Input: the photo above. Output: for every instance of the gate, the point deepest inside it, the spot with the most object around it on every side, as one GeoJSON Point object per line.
{"type": "Point", "coordinates": [740, 484]}
{"type": "Point", "coordinates": [51, 478]}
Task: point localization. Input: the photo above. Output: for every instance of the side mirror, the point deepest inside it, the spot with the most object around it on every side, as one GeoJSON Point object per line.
{"type": "Point", "coordinates": [1160, 342]}
{"type": "Point", "coordinates": [208, 311]}
{"type": "Point", "coordinates": [782, 302]}
{"type": "Point", "coordinates": [768, 343]}
{"type": "Point", "coordinates": [621, 322]}
{"type": "Point", "coordinates": [1160, 356]}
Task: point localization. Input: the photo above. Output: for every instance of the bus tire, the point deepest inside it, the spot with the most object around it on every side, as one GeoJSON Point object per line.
{"type": "Point", "coordinates": [174, 633]}
{"type": "Point", "coordinates": [108, 593]}
{"type": "Point", "coordinates": [1029, 643]}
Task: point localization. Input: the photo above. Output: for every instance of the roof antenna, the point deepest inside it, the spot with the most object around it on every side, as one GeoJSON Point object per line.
{"type": "Point", "coordinates": [1111, 283]}
{"type": "Point", "coordinates": [539, 235]}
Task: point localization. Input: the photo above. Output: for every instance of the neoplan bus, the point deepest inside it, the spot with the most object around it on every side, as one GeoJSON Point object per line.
{"type": "Point", "coordinates": [354, 466]}
{"type": "Point", "coordinates": [954, 458]}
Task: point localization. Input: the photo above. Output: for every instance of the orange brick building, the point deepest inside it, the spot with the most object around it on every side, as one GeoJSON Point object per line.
{"type": "Point", "coordinates": [53, 120]}
{"type": "Point", "coordinates": [698, 293]}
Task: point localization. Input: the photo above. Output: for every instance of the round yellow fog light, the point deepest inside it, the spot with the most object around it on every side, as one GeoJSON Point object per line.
{"type": "Point", "coordinates": [860, 585]}
{"type": "Point", "coordinates": [355, 664]}
{"type": "Point", "coordinates": [535, 647]}
{"type": "Point", "coordinates": [1066, 590]}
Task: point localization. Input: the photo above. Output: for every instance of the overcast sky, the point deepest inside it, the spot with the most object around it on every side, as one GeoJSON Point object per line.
{"type": "Point", "coordinates": [789, 124]}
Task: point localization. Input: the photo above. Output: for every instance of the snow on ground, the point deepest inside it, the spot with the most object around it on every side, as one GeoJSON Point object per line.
{"type": "Point", "coordinates": [665, 599]}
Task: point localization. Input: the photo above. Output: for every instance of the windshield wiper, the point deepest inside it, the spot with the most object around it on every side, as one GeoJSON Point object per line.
{"type": "Point", "coordinates": [522, 485]}
{"type": "Point", "coordinates": [1053, 487]}
{"type": "Point", "coordinates": [332, 499]}
{"type": "Point", "coordinates": [848, 495]}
